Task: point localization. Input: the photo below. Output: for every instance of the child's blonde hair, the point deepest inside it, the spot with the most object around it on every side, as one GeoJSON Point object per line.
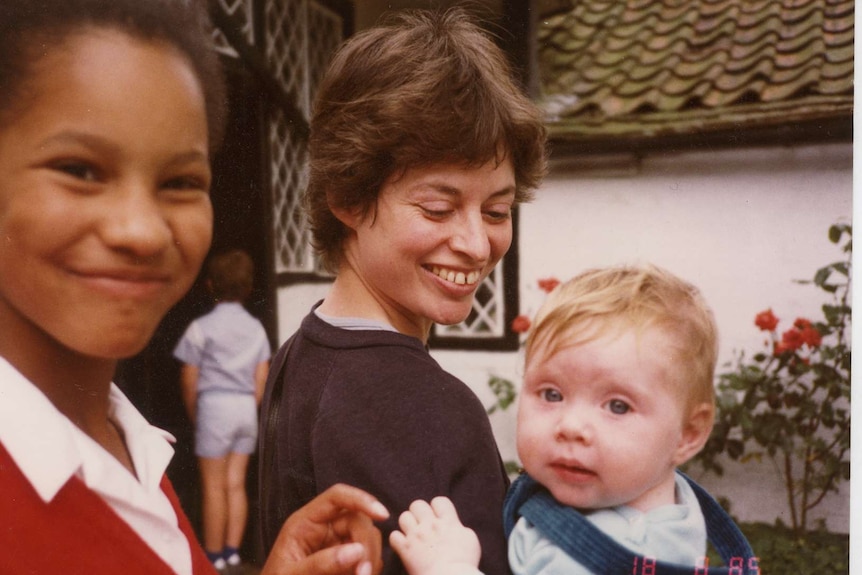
{"type": "Point", "coordinates": [610, 300]}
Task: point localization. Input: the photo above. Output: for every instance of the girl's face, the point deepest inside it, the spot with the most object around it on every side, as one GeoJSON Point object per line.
{"type": "Point", "coordinates": [105, 216]}
{"type": "Point", "coordinates": [435, 233]}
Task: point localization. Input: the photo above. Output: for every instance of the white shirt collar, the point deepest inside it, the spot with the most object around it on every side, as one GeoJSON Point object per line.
{"type": "Point", "coordinates": [49, 449]}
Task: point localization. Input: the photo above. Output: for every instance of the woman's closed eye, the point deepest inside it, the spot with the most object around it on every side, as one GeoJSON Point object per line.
{"type": "Point", "coordinates": [436, 210]}
{"type": "Point", "coordinates": [437, 214]}
{"type": "Point", "coordinates": [499, 213]}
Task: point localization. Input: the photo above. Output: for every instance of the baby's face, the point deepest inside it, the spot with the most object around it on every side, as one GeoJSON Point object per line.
{"type": "Point", "coordinates": [599, 423]}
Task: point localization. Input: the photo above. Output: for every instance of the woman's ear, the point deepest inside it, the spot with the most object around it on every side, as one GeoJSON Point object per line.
{"type": "Point", "coordinates": [349, 217]}
{"type": "Point", "coordinates": [695, 432]}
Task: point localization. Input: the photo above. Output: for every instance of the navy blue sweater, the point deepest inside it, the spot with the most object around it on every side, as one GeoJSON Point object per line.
{"type": "Point", "coordinates": [373, 409]}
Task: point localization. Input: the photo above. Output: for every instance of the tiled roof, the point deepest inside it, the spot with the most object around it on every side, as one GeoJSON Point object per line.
{"type": "Point", "coordinates": [651, 69]}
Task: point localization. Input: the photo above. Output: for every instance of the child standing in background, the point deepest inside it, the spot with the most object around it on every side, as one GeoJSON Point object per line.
{"type": "Point", "coordinates": [618, 392]}
{"type": "Point", "coordinates": [225, 356]}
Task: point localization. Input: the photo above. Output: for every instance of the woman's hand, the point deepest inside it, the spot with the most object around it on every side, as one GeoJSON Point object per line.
{"type": "Point", "coordinates": [332, 535]}
{"type": "Point", "coordinates": [433, 541]}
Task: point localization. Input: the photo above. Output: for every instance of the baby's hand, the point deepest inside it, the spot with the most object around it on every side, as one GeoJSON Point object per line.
{"type": "Point", "coordinates": [433, 541]}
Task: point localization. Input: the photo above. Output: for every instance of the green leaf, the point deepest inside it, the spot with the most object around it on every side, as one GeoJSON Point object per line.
{"type": "Point", "coordinates": [822, 275]}
{"type": "Point", "coordinates": [735, 448]}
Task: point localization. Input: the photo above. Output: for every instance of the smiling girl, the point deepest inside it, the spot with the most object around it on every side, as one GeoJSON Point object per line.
{"type": "Point", "coordinates": [109, 110]}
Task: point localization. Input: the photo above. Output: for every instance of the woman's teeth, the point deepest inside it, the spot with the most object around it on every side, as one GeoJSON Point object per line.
{"type": "Point", "coordinates": [459, 278]}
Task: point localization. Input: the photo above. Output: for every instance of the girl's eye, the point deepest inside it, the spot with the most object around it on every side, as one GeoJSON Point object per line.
{"type": "Point", "coordinates": [618, 407]}
{"type": "Point", "coordinates": [193, 183]}
{"type": "Point", "coordinates": [551, 395]}
{"type": "Point", "coordinates": [78, 170]}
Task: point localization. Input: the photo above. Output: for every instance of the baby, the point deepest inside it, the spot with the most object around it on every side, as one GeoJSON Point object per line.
{"type": "Point", "coordinates": [618, 392]}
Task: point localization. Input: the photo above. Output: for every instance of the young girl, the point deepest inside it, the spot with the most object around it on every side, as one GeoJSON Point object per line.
{"type": "Point", "coordinates": [109, 110]}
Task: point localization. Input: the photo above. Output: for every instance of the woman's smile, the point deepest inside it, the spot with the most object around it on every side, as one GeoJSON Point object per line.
{"type": "Point", "coordinates": [469, 278]}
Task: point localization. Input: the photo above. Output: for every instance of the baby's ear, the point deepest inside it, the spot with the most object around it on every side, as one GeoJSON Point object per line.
{"type": "Point", "coordinates": [695, 432]}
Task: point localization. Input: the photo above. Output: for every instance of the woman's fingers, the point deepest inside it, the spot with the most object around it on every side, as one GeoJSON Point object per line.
{"type": "Point", "coordinates": [340, 497]}
{"type": "Point", "coordinates": [347, 559]}
{"type": "Point", "coordinates": [311, 540]}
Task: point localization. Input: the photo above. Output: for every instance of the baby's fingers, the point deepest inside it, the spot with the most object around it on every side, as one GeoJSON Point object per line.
{"type": "Point", "coordinates": [444, 508]}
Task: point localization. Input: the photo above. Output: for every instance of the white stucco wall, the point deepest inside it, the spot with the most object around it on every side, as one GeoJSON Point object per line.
{"type": "Point", "coordinates": [742, 225]}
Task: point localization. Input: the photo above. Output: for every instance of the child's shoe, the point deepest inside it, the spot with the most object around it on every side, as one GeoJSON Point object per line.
{"type": "Point", "coordinates": [220, 565]}
{"type": "Point", "coordinates": [233, 564]}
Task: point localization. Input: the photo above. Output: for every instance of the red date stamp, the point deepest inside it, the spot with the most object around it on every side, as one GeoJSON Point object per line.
{"type": "Point", "coordinates": [736, 566]}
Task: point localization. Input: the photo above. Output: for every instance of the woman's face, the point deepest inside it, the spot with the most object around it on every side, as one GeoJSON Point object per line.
{"type": "Point", "coordinates": [105, 213]}
{"type": "Point", "coordinates": [435, 233]}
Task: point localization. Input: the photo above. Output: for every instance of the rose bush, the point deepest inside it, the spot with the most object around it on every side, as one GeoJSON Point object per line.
{"type": "Point", "coordinates": [790, 401]}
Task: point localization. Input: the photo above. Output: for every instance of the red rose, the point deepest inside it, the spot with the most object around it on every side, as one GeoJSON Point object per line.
{"type": "Point", "coordinates": [811, 336]}
{"type": "Point", "coordinates": [780, 349]}
{"type": "Point", "coordinates": [766, 320]}
{"type": "Point", "coordinates": [521, 324]}
{"type": "Point", "coordinates": [792, 339]}
{"type": "Point", "coordinates": [801, 323]}
{"type": "Point", "coordinates": [547, 285]}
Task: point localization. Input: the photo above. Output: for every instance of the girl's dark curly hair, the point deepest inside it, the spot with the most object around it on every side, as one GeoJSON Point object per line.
{"type": "Point", "coordinates": [30, 28]}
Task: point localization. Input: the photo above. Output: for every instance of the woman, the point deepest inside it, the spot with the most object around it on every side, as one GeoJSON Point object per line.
{"type": "Point", "coordinates": [421, 144]}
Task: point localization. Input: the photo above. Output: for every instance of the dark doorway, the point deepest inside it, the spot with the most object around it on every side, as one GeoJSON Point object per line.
{"type": "Point", "coordinates": [240, 204]}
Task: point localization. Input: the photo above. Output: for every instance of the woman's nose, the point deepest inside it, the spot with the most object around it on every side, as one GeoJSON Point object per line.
{"type": "Point", "coordinates": [471, 238]}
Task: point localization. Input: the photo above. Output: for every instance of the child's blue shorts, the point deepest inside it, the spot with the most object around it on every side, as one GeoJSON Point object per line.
{"type": "Point", "coordinates": [226, 423]}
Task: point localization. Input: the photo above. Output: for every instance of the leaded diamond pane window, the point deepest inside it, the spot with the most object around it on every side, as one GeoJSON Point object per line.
{"type": "Point", "coordinates": [494, 308]}
{"type": "Point", "coordinates": [242, 14]}
{"type": "Point", "coordinates": [301, 36]}
{"type": "Point", "coordinates": [486, 318]}
{"type": "Point", "coordinates": [291, 235]}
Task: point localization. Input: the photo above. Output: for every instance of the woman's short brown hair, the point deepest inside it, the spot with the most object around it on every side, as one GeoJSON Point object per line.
{"type": "Point", "coordinates": [421, 88]}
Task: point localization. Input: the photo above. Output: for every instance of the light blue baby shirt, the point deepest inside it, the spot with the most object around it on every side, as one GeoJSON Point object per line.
{"type": "Point", "coordinates": [671, 533]}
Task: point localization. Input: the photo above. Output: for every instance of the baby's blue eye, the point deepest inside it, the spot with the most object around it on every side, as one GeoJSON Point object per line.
{"type": "Point", "coordinates": [551, 395]}
{"type": "Point", "coordinates": [618, 407]}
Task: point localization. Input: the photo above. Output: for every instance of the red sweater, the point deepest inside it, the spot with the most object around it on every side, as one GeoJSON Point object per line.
{"type": "Point", "coordinates": [77, 533]}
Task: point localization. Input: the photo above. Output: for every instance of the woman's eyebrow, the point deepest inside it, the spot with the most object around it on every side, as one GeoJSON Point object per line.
{"type": "Point", "coordinates": [451, 190]}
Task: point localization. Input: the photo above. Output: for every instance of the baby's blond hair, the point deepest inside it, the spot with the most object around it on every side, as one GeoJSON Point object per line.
{"type": "Point", "coordinates": [606, 301]}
